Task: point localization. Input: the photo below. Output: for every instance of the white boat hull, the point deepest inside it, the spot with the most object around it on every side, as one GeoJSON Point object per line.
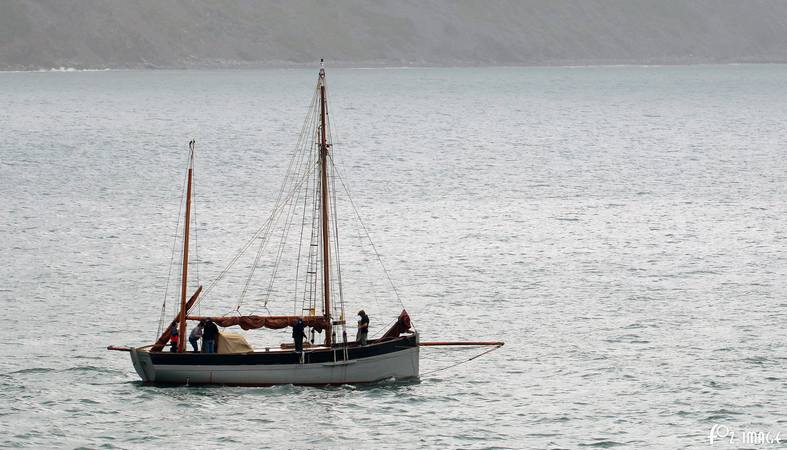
{"type": "Point", "coordinates": [401, 364]}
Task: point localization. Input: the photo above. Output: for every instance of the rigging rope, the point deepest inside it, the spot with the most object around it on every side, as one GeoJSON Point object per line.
{"type": "Point", "coordinates": [172, 255]}
{"type": "Point", "coordinates": [194, 215]}
{"type": "Point", "coordinates": [306, 191]}
{"type": "Point", "coordinates": [462, 362]}
{"type": "Point", "coordinates": [368, 236]}
{"type": "Point", "coordinates": [246, 246]}
{"type": "Point", "coordinates": [285, 207]}
{"type": "Point", "coordinates": [289, 219]}
{"type": "Point", "coordinates": [289, 175]}
{"type": "Point", "coordinates": [335, 224]}
{"type": "Point", "coordinates": [259, 231]}
{"type": "Point", "coordinates": [195, 262]}
{"type": "Point", "coordinates": [312, 278]}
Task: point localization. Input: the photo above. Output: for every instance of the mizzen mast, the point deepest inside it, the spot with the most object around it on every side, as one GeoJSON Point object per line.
{"type": "Point", "coordinates": [185, 274]}
{"type": "Point", "coordinates": [326, 254]}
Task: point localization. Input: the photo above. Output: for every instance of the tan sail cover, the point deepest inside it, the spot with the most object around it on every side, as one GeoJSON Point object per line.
{"type": "Point", "coordinates": [233, 343]}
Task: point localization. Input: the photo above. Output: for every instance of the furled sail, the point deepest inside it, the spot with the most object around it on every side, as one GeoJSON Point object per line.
{"type": "Point", "coordinates": [319, 323]}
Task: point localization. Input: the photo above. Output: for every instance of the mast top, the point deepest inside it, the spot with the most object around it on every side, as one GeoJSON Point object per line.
{"type": "Point", "coordinates": [322, 68]}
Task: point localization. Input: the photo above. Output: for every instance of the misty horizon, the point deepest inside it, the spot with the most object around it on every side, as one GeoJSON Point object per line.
{"type": "Point", "coordinates": [46, 34]}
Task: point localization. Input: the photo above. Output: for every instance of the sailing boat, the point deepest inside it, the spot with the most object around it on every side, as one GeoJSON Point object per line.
{"type": "Point", "coordinates": [394, 355]}
{"type": "Point", "coordinates": [335, 360]}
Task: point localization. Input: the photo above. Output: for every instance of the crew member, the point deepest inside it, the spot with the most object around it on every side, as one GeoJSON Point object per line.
{"type": "Point", "coordinates": [363, 328]}
{"type": "Point", "coordinates": [196, 334]}
{"type": "Point", "coordinates": [210, 333]}
{"type": "Point", "coordinates": [173, 339]}
{"type": "Point", "coordinates": [298, 334]}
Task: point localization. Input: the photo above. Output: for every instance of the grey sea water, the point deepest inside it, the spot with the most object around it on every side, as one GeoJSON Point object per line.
{"type": "Point", "coordinates": [622, 229]}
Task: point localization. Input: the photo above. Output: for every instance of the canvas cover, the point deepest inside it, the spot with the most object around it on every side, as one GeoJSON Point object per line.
{"type": "Point", "coordinates": [232, 343]}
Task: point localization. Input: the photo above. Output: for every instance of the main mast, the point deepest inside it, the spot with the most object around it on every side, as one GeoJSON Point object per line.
{"type": "Point", "coordinates": [185, 274]}
{"type": "Point", "coordinates": [326, 254]}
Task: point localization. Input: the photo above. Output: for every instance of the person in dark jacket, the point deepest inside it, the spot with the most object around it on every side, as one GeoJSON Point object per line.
{"type": "Point", "coordinates": [209, 335]}
{"type": "Point", "coordinates": [363, 328]}
{"type": "Point", "coordinates": [298, 334]}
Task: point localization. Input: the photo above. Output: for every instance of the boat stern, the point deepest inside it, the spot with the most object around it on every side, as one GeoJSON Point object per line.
{"type": "Point", "coordinates": [140, 357]}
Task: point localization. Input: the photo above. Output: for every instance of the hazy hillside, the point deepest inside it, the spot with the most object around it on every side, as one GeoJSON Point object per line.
{"type": "Point", "coordinates": [207, 33]}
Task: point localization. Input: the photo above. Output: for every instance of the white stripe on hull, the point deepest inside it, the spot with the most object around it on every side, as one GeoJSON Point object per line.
{"type": "Point", "coordinates": [400, 365]}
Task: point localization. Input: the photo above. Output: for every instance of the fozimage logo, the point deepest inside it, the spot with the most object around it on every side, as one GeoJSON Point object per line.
{"type": "Point", "coordinates": [729, 435]}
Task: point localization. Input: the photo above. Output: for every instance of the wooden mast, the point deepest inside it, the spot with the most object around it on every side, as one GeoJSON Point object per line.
{"type": "Point", "coordinates": [326, 255]}
{"type": "Point", "coordinates": [185, 274]}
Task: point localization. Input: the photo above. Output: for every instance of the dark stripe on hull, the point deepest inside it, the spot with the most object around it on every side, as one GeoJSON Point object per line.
{"type": "Point", "coordinates": [277, 357]}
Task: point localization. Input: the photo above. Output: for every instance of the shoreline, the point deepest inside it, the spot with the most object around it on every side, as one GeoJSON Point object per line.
{"type": "Point", "coordinates": [300, 66]}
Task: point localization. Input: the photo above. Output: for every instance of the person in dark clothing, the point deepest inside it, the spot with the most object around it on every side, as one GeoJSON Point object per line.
{"type": "Point", "coordinates": [363, 328]}
{"type": "Point", "coordinates": [298, 334]}
{"type": "Point", "coordinates": [173, 339]}
{"type": "Point", "coordinates": [196, 334]}
{"type": "Point", "coordinates": [209, 335]}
